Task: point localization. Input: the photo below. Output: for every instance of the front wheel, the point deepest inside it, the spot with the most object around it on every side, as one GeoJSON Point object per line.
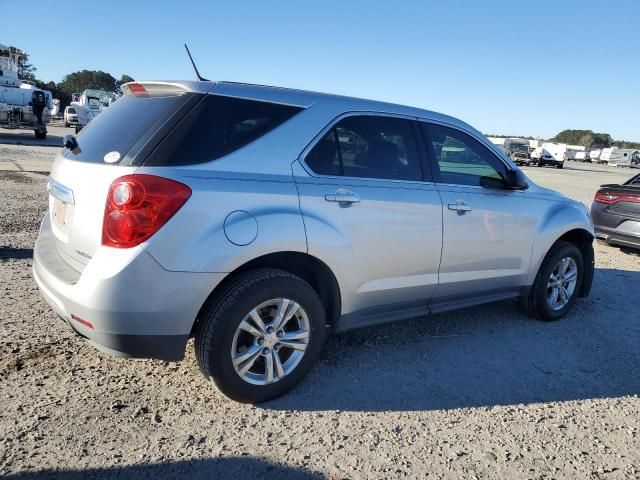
{"type": "Point", "coordinates": [557, 284]}
{"type": "Point", "coordinates": [260, 335]}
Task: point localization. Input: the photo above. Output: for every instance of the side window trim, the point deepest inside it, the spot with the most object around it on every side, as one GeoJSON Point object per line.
{"type": "Point", "coordinates": [331, 126]}
{"type": "Point", "coordinates": [426, 135]}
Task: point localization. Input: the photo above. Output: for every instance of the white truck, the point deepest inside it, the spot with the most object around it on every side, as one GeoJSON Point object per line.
{"type": "Point", "coordinates": [89, 104]}
{"type": "Point", "coordinates": [519, 150]}
{"type": "Point", "coordinates": [22, 105]}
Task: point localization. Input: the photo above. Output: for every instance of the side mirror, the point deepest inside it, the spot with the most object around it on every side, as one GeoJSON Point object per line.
{"type": "Point", "coordinates": [516, 180]}
{"type": "Point", "coordinates": [70, 143]}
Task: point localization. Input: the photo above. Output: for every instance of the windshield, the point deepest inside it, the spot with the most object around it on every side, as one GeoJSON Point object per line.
{"type": "Point", "coordinates": [520, 148]}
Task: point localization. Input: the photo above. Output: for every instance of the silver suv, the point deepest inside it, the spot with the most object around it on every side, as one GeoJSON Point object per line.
{"type": "Point", "coordinates": [255, 219]}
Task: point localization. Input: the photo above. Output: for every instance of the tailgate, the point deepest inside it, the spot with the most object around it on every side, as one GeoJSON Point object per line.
{"type": "Point", "coordinates": [77, 196]}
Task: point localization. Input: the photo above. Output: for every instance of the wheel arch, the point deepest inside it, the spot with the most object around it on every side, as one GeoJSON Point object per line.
{"type": "Point", "coordinates": [583, 239]}
{"type": "Point", "coordinates": [311, 269]}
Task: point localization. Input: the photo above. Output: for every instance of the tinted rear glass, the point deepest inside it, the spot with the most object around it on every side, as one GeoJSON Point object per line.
{"type": "Point", "coordinates": [122, 125]}
{"type": "Point", "coordinates": [216, 127]}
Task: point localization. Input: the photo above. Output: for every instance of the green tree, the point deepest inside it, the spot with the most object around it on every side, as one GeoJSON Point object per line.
{"type": "Point", "coordinates": [586, 138]}
{"type": "Point", "coordinates": [125, 79]}
{"type": "Point", "coordinates": [76, 82]}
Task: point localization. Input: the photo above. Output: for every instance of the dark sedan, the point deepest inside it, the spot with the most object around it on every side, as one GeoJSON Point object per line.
{"type": "Point", "coordinates": [616, 213]}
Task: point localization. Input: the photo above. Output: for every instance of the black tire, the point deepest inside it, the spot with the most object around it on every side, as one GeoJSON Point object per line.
{"type": "Point", "coordinates": [40, 135]}
{"type": "Point", "coordinates": [226, 309]}
{"type": "Point", "coordinates": [560, 165]}
{"type": "Point", "coordinates": [535, 302]}
{"type": "Point", "coordinates": [66, 125]}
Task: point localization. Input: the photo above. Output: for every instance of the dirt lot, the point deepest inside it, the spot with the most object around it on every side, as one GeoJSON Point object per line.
{"type": "Point", "coordinates": [480, 393]}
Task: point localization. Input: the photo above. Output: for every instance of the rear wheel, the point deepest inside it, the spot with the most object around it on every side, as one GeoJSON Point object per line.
{"type": "Point", "coordinates": [260, 335]}
{"type": "Point", "coordinates": [560, 165]}
{"type": "Point", "coordinates": [557, 284]}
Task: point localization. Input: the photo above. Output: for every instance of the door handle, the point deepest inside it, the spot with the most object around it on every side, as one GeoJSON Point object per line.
{"type": "Point", "coordinates": [459, 206]}
{"type": "Point", "coordinates": [344, 197]}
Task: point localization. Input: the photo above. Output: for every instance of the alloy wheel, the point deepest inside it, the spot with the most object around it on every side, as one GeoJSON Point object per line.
{"type": "Point", "coordinates": [270, 341]}
{"type": "Point", "coordinates": [562, 283]}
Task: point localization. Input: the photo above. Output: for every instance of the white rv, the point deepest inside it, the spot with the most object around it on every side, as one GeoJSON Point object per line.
{"type": "Point", "coordinates": [575, 152]}
{"type": "Point", "coordinates": [623, 157]}
{"type": "Point", "coordinates": [606, 154]}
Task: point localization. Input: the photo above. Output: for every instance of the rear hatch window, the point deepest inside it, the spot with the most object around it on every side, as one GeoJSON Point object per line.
{"type": "Point", "coordinates": [217, 126]}
{"type": "Point", "coordinates": [130, 121]}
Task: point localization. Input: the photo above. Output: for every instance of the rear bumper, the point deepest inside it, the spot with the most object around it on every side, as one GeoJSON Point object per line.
{"type": "Point", "coordinates": [134, 308]}
{"type": "Point", "coordinates": [613, 237]}
{"type": "Point", "coordinates": [615, 229]}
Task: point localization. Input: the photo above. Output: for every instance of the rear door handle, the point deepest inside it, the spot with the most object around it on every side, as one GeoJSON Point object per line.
{"type": "Point", "coordinates": [341, 196]}
{"type": "Point", "coordinates": [459, 206]}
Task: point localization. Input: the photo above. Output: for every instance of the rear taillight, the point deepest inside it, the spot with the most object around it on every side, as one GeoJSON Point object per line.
{"type": "Point", "coordinates": [137, 206]}
{"type": "Point", "coordinates": [609, 198]}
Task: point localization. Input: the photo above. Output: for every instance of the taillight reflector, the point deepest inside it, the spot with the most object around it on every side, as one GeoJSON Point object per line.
{"type": "Point", "coordinates": [81, 321]}
{"type": "Point", "coordinates": [137, 206]}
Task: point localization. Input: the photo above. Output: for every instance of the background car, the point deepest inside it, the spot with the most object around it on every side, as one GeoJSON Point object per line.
{"type": "Point", "coordinates": [547, 158]}
{"type": "Point", "coordinates": [70, 116]}
{"type": "Point", "coordinates": [616, 213]}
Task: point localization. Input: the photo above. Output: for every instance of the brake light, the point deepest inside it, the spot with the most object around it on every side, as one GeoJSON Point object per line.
{"type": "Point", "coordinates": [137, 206]}
{"type": "Point", "coordinates": [609, 198]}
{"type": "Point", "coordinates": [135, 89]}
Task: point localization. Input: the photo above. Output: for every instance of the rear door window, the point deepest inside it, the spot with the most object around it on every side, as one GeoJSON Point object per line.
{"type": "Point", "coordinates": [368, 146]}
{"type": "Point", "coordinates": [218, 126]}
{"type": "Point", "coordinates": [122, 125]}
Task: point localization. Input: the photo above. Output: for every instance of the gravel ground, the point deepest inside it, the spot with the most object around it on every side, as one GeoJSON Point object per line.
{"type": "Point", "coordinates": [479, 393]}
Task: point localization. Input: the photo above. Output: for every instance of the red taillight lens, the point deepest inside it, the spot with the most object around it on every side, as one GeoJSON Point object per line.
{"type": "Point", "coordinates": [609, 198]}
{"type": "Point", "coordinates": [137, 206]}
{"type": "Point", "coordinates": [137, 89]}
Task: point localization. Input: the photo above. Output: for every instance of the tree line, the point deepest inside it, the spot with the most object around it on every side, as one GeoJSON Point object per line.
{"type": "Point", "coordinates": [590, 139]}
{"type": "Point", "coordinates": [74, 82]}
{"type": "Point", "coordinates": [586, 138]}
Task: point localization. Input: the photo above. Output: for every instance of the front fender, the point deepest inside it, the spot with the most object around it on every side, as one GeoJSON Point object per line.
{"type": "Point", "coordinates": [561, 219]}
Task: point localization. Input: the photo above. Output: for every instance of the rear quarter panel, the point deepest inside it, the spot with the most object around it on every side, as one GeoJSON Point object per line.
{"type": "Point", "coordinates": [195, 240]}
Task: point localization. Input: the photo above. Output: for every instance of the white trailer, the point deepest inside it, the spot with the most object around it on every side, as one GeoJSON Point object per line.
{"type": "Point", "coordinates": [606, 154]}
{"type": "Point", "coordinates": [500, 141]}
{"type": "Point", "coordinates": [623, 157]}
{"type": "Point", "coordinates": [556, 150]}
